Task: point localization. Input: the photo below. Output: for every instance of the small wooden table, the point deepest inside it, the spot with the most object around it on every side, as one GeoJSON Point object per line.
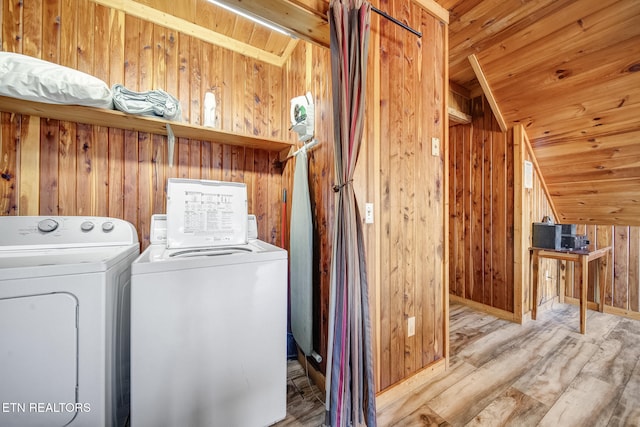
{"type": "Point", "coordinates": [578, 257]}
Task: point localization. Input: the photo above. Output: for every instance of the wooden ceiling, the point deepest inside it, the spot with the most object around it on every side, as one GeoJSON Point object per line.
{"type": "Point", "coordinates": [567, 70]}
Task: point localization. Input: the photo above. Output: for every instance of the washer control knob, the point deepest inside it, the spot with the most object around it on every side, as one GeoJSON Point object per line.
{"type": "Point", "coordinates": [86, 226]}
{"type": "Point", "coordinates": [47, 225]}
{"type": "Point", "coordinates": [107, 226]}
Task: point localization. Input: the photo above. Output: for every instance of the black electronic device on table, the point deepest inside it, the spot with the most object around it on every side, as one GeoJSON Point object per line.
{"type": "Point", "coordinates": [558, 237]}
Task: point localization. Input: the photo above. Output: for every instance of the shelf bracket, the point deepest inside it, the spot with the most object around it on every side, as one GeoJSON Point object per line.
{"type": "Point", "coordinates": [171, 144]}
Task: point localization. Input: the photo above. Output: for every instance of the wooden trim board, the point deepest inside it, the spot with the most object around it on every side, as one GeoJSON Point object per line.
{"type": "Point", "coordinates": [158, 17]}
{"type": "Point", "coordinates": [420, 378]}
{"type": "Point", "coordinates": [482, 79]}
{"type": "Point", "coordinates": [502, 314]}
{"type": "Point", "coordinates": [520, 226]}
{"type": "Point", "coordinates": [607, 308]}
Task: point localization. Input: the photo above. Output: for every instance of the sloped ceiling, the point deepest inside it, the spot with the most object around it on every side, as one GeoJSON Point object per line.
{"type": "Point", "coordinates": [569, 71]}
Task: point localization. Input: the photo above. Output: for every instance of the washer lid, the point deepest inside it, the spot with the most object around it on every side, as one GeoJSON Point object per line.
{"type": "Point", "coordinates": [158, 258]}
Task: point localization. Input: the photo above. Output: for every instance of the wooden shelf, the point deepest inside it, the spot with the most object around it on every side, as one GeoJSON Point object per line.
{"type": "Point", "coordinates": [458, 117]}
{"type": "Point", "coordinates": [120, 120]}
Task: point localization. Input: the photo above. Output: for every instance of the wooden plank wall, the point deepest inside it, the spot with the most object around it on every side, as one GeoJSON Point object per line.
{"type": "Point", "coordinates": [622, 292]}
{"type": "Point", "coordinates": [52, 167]}
{"type": "Point", "coordinates": [481, 250]}
{"type": "Point", "coordinates": [468, 198]}
{"type": "Point", "coordinates": [410, 213]}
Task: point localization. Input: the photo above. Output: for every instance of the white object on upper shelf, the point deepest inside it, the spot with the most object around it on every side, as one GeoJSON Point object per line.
{"type": "Point", "coordinates": [34, 79]}
{"type": "Point", "coordinates": [303, 116]}
{"type": "Point", "coordinates": [209, 110]}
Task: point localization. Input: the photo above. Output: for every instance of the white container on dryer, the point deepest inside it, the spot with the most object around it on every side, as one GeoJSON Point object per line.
{"type": "Point", "coordinates": [64, 320]}
{"type": "Point", "coordinates": [208, 335]}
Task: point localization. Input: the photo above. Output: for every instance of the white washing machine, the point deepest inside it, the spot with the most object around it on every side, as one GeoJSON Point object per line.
{"type": "Point", "coordinates": [64, 339]}
{"type": "Point", "coordinates": [208, 333]}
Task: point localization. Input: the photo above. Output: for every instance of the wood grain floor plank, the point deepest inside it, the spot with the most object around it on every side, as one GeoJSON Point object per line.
{"type": "Point", "coordinates": [547, 380]}
{"type": "Point", "coordinates": [627, 411]}
{"type": "Point", "coordinates": [423, 416]}
{"type": "Point", "coordinates": [408, 404]}
{"type": "Point", "coordinates": [465, 399]}
{"type": "Point", "coordinates": [542, 373]}
{"type": "Point", "coordinates": [304, 406]}
{"type": "Point", "coordinates": [617, 356]}
{"type": "Point", "coordinates": [587, 402]}
{"type": "Point", "coordinates": [538, 339]}
{"type": "Point", "coordinates": [512, 408]}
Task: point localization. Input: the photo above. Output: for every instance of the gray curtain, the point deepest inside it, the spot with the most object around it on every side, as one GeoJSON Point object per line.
{"type": "Point", "coordinates": [350, 382]}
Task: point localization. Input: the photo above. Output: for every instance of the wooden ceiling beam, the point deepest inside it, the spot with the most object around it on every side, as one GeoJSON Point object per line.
{"type": "Point", "coordinates": [163, 19]}
{"type": "Point", "coordinates": [304, 23]}
{"type": "Point", "coordinates": [477, 69]}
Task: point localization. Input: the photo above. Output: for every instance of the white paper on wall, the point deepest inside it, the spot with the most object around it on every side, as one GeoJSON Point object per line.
{"type": "Point", "coordinates": [528, 174]}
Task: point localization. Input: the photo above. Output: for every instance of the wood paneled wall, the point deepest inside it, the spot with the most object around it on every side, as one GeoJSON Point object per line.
{"type": "Point", "coordinates": [407, 185]}
{"type": "Point", "coordinates": [51, 167]}
{"type": "Point", "coordinates": [481, 218]}
{"type": "Point", "coordinates": [475, 251]}
{"type": "Point", "coordinates": [622, 287]}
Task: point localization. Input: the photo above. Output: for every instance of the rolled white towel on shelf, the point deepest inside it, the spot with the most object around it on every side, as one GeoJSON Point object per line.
{"type": "Point", "coordinates": [150, 103]}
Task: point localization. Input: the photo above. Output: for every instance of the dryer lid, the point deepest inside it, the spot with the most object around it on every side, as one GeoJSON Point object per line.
{"type": "Point", "coordinates": [50, 262]}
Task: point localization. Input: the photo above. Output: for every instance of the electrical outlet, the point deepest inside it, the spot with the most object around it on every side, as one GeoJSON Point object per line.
{"type": "Point", "coordinates": [435, 146]}
{"type": "Point", "coordinates": [368, 213]}
{"type": "Point", "coordinates": [411, 326]}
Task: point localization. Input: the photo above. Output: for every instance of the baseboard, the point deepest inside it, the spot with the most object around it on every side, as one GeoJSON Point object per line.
{"type": "Point", "coordinates": [502, 314]}
{"type": "Point", "coordinates": [607, 308]}
{"type": "Point", "coordinates": [420, 378]}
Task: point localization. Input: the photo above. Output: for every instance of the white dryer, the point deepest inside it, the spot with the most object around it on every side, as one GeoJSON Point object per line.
{"type": "Point", "coordinates": [208, 325]}
{"type": "Point", "coordinates": [64, 304]}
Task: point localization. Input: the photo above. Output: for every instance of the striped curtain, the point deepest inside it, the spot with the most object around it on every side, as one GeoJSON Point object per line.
{"type": "Point", "coordinates": [350, 383]}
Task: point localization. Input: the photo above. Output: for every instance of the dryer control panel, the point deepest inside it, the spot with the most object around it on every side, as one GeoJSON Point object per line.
{"type": "Point", "coordinates": [39, 232]}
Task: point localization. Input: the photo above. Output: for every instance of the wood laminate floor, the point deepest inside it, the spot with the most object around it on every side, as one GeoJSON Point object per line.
{"type": "Point", "coordinates": [542, 373]}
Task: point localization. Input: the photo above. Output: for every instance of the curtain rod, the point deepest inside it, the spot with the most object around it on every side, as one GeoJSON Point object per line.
{"type": "Point", "coordinates": [395, 21]}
